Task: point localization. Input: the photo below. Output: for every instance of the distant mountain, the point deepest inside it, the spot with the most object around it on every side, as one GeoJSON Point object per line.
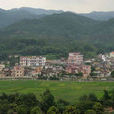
{"type": "Point", "coordinates": [102, 16]}
{"type": "Point", "coordinates": [39, 11]}
{"type": "Point", "coordinates": [56, 35]}
{"type": "Point", "coordinates": [8, 17]}
{"type": "Point", "coordinates": [1, 10]}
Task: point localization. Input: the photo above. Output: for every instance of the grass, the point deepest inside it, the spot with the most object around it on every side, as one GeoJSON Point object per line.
{"type": "Point", "coordinates": [70, 91]}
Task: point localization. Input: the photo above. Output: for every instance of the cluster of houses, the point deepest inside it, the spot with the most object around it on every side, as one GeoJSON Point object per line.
{"type": "Point", "coordinates": [103, 65]}
{"type": "Point", "coordinates": [72, 67]}
{"type": "Point", "coordinates": [75, 65]}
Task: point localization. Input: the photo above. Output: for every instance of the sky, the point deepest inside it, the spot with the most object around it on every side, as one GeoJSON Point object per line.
{"type": "Point", "coordinates": [79, 6]}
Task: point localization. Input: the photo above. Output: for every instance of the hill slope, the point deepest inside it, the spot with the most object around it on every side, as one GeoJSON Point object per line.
{"type": "Point", "coordinates": [58, 34]}
{"type": "Point", "coordinates": [102, 16]}
{"type": "Point", "coordinates": [8, 17]}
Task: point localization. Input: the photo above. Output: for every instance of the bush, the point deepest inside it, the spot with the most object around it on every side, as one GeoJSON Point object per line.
{"type": "Point", "coordinates": [90, 112]}
{"type": "Point", "coordinates": [36, 110]}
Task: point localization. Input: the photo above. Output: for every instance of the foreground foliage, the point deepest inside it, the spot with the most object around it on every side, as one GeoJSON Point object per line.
{"type": "Point", "coordinates": [47, 104]}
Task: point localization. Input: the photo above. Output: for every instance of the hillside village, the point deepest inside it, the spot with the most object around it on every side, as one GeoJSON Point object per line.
{"type": "Point", "coordinates": [75, 67]}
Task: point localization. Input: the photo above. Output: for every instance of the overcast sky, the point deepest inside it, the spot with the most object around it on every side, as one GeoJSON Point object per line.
{"type": "Point", "coordinates": [72, 5]}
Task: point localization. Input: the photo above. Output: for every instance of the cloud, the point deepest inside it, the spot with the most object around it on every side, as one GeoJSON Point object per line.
{"type": "Point", "coordinates": [72, 5]}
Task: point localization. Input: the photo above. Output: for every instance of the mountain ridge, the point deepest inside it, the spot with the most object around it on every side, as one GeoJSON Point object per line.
{"type": "Point", "coordinates": [56, 35]}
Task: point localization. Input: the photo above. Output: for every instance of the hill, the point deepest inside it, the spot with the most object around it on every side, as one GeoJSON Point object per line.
{"type": "Point", "coordinates": [8, 17]}
{"type": "Point", "coordinates": [56, 35]}
{"type": "Point", "coordinates": [102, 16]}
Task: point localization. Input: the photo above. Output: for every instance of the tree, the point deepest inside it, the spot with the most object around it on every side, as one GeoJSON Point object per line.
{"type": "Point", "coordinates": [92, 97]}
{"type": "Point", "coordinates": [29, 100]}
{"type": "Point", "coordinates": [90, 112]}
{"type": "Point", "coordinates": [106, 95]}
{"type": "Point", "coordinates": [53, 110]}
{"type": "Point", "coordinates": [36, 110]}
{"type": "Point", "coordinates": [106, 99]}
{"type": "Point", "coordinates": [85, 105]}
{"type": "Point", "coordinates": [61, 104]}
{"type": "Point", "coordinates": [4, 108]}
{"type": "Point", "coordinates": [47, 100]}
{"type": "Point", "coordinates": [112, 98]}
{"type": "Point", "coordinates": [112, 74]}
{"type": "Point", "coordinates": [10, 111]}
{"type": "Point", "coordinates": [71, 110]}
{"type": "Point", "coordinates": [21, 109]}
{"type": "Point", "coordinates": [98, 108]}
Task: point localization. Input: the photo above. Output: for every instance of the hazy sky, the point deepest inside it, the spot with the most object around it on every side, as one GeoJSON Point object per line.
{"type": "Point", "coordinates": [72, 5]}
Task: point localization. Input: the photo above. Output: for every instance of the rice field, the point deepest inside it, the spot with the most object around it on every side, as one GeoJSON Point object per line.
{"type": "Point", "coordinates": [67, 90]}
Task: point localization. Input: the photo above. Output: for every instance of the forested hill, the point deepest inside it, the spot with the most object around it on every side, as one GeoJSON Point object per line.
{"type": "Point", "coordinates": [56, 35]}
{"type": "Point", "coordinates": [8, 17]}
{"type": "Point", "coordinates": [102, 16]}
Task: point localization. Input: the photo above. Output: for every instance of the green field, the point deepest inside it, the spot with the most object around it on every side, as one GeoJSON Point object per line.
{"type": "Point", "coordinates": [68, 90]}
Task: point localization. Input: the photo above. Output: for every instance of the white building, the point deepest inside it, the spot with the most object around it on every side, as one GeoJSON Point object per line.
{"type": "Point", "coordinates": [32, 61]}
{"type": "Point", "coordinates": [2, 66]}
{"type": "Point", "coordinates": [112, 54]}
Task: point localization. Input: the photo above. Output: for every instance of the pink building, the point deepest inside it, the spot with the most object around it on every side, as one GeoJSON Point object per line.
{"type": "Point", "coordinates": [86, 70]}
{"type": "Point", "coordinates": [18, 71]}
{"type": "Point", "coordinates": [73, 69]}
{"type": "Point", "coordinates": [75, 59]}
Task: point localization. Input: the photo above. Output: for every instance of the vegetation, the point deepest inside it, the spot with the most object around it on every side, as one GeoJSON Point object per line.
{"type": "Point", "coordinates": [66, 90]}
{"type": "Point", "coordinates": [47, 104]}
{"type": "Point", "coordinates": [112, 73]}
{"type": "Point", "coordinates": [46, 36]}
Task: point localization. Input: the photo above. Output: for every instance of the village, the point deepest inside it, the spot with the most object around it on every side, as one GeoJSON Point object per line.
{"type": "Point", "coordinates": [75, 68]}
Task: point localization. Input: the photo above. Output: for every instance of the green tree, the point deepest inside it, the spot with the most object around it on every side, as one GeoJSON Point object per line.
{"type": "Point", "coordinates": [85, 105]}
{"type": "Point", "coordinates": [112, 74]}
{"type": "Point", "coordinates": [98, 108]}
{"type": "Point", "coordinates": [4, 108]}
{"type": "Point", "coordinates": [36, 110]}
{"type": "Point", "coordinates": [10, 111]}
{"type": "Point", "coordinates": [53, 110]}
{"type": "Point", "coordinates": [21, 109]}
{"type": "Point", "coordinates": [61, 104]}
{"type": "Point", "coordinates": [92, 97]}
{"type": "Point", "coordinates": [71, 110]}
{"type": "Point", "coordinates": [106, 99]}
{"type": "Point", "coordinates": [47, 100]}
{"type": "Point", "coordinates": [90, 112]}
{"type": "Point", "coordinates": [112, 98]}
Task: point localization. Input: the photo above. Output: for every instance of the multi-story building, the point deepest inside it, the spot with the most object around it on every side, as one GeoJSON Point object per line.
{"type": "Point", "coordinates": [2, 66]}
{"type": "Point", "coordinates": [112, 54]}
{"type": "Point", "coordinates": [75, 59]}
{"type": "Point", "coordinates": [17, 71]}
{"type": "Point", "coordinates": [86, 70]}
{"type": "Point", "coordinates": [32, 61]}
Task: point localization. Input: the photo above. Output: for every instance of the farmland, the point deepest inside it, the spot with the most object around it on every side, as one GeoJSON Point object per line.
{"type": "Point", "coordinates": [68, 90]}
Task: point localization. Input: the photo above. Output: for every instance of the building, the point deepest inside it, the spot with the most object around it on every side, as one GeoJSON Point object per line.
{"type": "Point", "coordinates": [112, 54]}
{"type": "Point", "coordinates": [2, 66]}
{"type": "Point", "coordinates": [75, 59]}
{"type": "Point", "coordinates": [37, 71]}
{"type": "Point", "coordinates": [74, 69]}
{"type": "Point", "coordinates": [17, 71]}
{"type": "Point", "coordinates": [32, 61]}
{"type": "Point", "coordinates": [86, 70]}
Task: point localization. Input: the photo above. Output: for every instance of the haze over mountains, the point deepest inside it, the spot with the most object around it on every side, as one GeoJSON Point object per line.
{"type": "Point", "coordinates": [8, 17]}
{"type": "Point", "coordinates": [54, 33]}
{"type": "Point", "coordinates": [102, 16]}
{"type": "Point", "coordinates": [12, 16]}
